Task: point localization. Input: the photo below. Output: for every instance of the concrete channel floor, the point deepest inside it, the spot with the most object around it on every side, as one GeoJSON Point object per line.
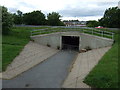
{"type": "Point", "coordinates": [31, 55]}
{"type": "Point", "coordinates": [49, 74]}
{"type": "Point", "coordinates": [82, 66]}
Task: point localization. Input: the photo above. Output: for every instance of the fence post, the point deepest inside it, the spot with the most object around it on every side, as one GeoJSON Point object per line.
{"type": "Point", "coordinates": [31, 32]}
{"type": "Point", "coordinates": [102, 33]}
{"type": "Point", "coordinates": [92, 31]}
{"type": "Point", "coordinates": [82, 31]}
{"type": "Point", "coordinates": [112, 35]}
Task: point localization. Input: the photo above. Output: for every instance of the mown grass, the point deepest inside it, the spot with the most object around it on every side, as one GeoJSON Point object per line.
{"type": "Point", "coordinates": [9, 53]}
{"type": "Point", "coordinates": [105, 73]}
{"type": "Point", "coordinates": [13, 43]}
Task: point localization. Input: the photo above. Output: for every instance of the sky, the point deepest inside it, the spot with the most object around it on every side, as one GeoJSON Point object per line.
{"type": "Point", "coordinates": [82, 10]}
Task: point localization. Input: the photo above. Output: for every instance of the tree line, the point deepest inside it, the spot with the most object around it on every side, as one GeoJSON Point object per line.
{"type": "Point", "coordinates": [110, 19]}
{"type": "Point", "coordinates": [31, 18]}
{"type": "Point", "coordinates": [37, 18]}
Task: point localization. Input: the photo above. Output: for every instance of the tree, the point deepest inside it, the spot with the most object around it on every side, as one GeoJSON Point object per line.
{"type": "Point", "coordinates": [18, 18]}
{"type": "Point", "coordinates": [92, 23]}
{"type": "Point", "coordinates": [111, 18]}
{"type": "Point", "coordinates": [34, 18]}
{"type": "Point", "coordinates": [54, 19]}
{"type": "Point", "coordinates": [7, 20]}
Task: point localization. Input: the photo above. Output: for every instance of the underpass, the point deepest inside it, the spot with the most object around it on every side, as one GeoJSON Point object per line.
{"type": "Point", "coordinates": [53, 71]}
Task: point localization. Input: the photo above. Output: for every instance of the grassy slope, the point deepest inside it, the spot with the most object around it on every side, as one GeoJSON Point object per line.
{"type": "Point", "coordinates": [13, 43]}
{"type": "Point", "coordinates": [105, 73]}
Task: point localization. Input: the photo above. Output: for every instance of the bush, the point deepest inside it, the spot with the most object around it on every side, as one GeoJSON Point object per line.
{"type": "Point", "coordinates": [7, 20]}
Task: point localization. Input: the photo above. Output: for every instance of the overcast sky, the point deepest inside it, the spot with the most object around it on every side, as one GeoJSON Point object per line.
{"type": "Point", "coordinates": [69, 9]}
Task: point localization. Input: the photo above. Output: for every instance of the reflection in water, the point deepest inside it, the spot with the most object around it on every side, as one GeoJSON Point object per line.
{"type": "Point", "coordinates": [70, 47]}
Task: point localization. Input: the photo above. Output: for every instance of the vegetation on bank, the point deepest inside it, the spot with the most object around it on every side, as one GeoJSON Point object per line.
{"type": "Point", "coordinates": [105, 73]}
{"type": "Point", "coordinates": [14, 42]}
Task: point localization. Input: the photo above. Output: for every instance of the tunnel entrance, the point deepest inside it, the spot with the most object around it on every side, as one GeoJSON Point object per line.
{"type": "Point", "coordinates": [70, 42]}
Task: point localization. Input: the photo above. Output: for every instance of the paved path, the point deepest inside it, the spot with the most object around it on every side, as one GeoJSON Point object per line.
{"type": "Point", "coordinates": [31, 55]}
{"type": "Point", "coordinates": [49, 74]}
{"type": "Point", "coordinates": [82, 66]}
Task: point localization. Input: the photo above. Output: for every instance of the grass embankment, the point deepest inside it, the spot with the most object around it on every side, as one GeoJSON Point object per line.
{"type": "Point", "coordinates": [13, 43]}
{"type": "Point", "coordinates": [105, 73]}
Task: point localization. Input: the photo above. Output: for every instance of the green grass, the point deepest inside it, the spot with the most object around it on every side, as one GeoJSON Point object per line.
{"type": "Point", "coordinates": [9, 53]}
{"type": "Point", "coordinates": [13, 43]}
{"type": "Point", "coordinates": [105, 73]}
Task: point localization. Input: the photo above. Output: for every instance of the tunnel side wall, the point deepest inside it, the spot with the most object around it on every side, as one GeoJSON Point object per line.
{"type": "Point", "coordinates": [94, 41]}
{"type": "Point", "coordinates": [53, 40]}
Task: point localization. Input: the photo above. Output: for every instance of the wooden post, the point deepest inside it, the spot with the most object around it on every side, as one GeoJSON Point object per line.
{"type": "Point", "coordinates": [112, 35]}
{"type": "Point", "coordinates": [102, 33]}
{"type": "Point", "coordinates": [92, 31]}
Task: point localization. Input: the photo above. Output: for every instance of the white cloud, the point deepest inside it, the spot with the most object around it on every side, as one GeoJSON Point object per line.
{"type": "Point", "coordinates": [82, 18]}
{"type": "Point", "coordinates": [47, 6]}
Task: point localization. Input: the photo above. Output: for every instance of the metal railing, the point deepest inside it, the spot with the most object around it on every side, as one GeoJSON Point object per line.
{"type": "Point", "coordinates": [100, 33]}
{"type": "Point", "coordinates": [92, 31]}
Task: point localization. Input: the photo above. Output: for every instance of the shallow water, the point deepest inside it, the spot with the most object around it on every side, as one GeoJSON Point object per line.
{"type": "Point", "coordinates": [49, 74]}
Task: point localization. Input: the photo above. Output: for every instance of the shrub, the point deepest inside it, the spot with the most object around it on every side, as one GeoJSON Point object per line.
{"type": "Point", "coordinates": [7, 20]}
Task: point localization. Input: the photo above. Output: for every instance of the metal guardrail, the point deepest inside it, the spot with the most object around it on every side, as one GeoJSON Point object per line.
{"type": "Point", "coordinates": [88, 31]}
{"type": "Point", "coordinates": [100, 33]}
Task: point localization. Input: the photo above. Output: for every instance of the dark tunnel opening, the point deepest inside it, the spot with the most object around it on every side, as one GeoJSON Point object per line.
{"type": "Point", "coordinates": [70, 43]}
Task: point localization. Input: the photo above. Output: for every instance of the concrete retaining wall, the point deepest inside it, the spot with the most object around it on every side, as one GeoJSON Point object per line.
{"type": "Point", "coordinates": [55, 40]}
{"type": "Point", "coordinates": [49, 39]}
{"type": "Point", "coordinates": [94, 41]}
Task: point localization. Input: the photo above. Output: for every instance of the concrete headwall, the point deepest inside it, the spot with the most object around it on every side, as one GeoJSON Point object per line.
{"type": "Point", "coordinates": [94, 41]}
{"type": "Point", "coordinates": [49, 39]}
{"type": "Point", "coordinates": [86, 40]}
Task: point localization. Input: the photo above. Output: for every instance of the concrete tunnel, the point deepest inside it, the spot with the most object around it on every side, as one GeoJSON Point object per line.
{"type": "Point", "coordinates": [70, 42]}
